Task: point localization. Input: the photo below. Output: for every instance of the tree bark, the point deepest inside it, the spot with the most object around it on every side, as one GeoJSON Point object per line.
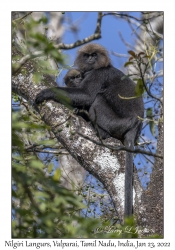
{"type": "Point", "coordinates": [101, 162]}
{"type": "Point", "coordinates": [106, 165]}
{"type": "Point", "coordinates": [149, 208]}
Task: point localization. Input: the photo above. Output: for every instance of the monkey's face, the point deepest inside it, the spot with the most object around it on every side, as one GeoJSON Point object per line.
{"type": "Point", "coordinates": [74, 81]}
{"type": "Point", "coordinates": [90, 60]}
{"type": "Point", "coordinates": [73, 78]}
{"type": "Point", "coordinates": [92, 56]}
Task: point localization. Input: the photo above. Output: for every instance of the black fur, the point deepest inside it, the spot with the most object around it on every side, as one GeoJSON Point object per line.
{"type": "Point", "coordinates": [99, 93]}
{"type": "Point", "coordinates": [102, 87]}
{"type": "Point", "coordinates": [73, 78]}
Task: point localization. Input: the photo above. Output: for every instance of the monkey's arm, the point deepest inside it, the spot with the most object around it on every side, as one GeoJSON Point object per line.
{"type": "Point", "coordinates": [82, 96]}
{"type": "Point", "coordinates": [76, 97]}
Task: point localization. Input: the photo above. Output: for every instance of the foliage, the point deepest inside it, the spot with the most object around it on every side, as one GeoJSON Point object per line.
{"type": "Point", "coordinates": [41, 208]}
{"type": "Point", "coordinates": [141, 67]}
{"type": "Point", "coordinates": [32, 42]}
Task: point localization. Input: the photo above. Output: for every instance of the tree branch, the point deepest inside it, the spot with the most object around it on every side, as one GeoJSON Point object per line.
{"type": "Point", "coordinates": [95, 36]}
{"type": "Point", "coordinates": [140, 151]}
{"type": "Point", "coordinates": [99, 161]}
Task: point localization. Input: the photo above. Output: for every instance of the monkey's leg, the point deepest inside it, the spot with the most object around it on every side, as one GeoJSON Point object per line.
{"type": "Point", "coordinates": [124, 129]}
{"type": "Point", "coordinates": [101, 114]}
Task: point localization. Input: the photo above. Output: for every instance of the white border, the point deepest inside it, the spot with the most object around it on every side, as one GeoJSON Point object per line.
{"type": "Point", "coordinates": [5, 96]}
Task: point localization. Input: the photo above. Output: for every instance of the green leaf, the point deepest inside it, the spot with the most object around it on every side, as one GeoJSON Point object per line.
{"type": "Point", "coordinates": [132, 53]}
{"type": "Point", "coordinates": [141, 53]}
{"type": "Point", "coordinates": [40, 194]}
{"type": "Point", "coordinates": [43, 207]}
{"type": "Point", "coordinates": [57, 174]}
{"type": "Point", "coordinates": [152, 127]}
{"type": "Point", "coordinates": [43, 19]}
{"type": "Point", "coordinates": [36, 164]}
{"type": "Point", "coordinates": [127, 63]}
{"type": "Point", "coordinates": [149, 113]}
{"type": "Point", "coordinates": [36, 77]}
{"type": "Point", "coordinates": [124, 77]}
{"type": "Point", "coordinates": [18, 167]}
{"type": "Point", "coordinates": [131, 58]}
{"type": "Point", "coordinates": [147, 57]}
{"type": "Point", "coordinates": [139, 89]}
{"type": "Point", "coordinates": [50, 167]}
{"type": "Point", "coordinates": [43, 63]}
{"type": "Point", "coordinates": [16, 141]}
{"type": "Point", "coordinates": [46, 142]}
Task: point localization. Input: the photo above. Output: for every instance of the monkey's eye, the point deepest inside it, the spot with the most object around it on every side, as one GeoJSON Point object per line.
{"type": "Point", "coordinates": [72, 77]}
{"type": "Point", "coordinates": [94, 54]}
{"type": "Point", "coordinates": [86, 55]}
{"type": "Point", "coordinates": [78, 76]}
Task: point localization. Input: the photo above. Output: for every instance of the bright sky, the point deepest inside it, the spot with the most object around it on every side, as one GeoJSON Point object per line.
{"type": "Point", "coordinates": [110, 27]}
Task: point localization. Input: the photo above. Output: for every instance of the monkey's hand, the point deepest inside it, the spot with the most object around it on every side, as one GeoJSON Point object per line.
{"type": "Point", "coordinates": [45, 94]}
{"type": "Point", "coordinates": [55, 94]}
